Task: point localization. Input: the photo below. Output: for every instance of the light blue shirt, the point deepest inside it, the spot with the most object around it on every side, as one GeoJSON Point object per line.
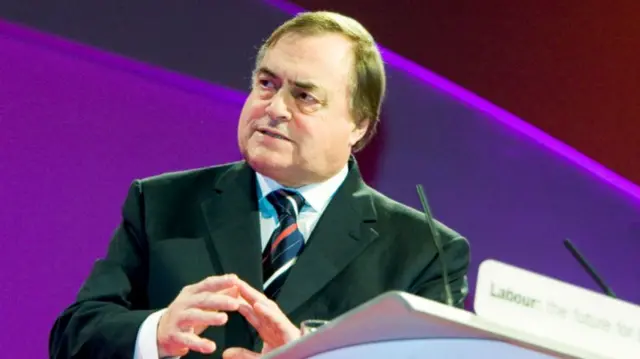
{"type": "Point", "coordinates": [317, 196]}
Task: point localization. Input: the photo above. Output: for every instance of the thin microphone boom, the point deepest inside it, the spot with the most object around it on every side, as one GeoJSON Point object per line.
{"type": "Point", "coordinates": [436, 241]}
{"type": "Point", "coordinates": [592, 272]}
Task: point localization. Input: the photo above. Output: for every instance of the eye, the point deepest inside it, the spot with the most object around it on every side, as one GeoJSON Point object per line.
{"type": "Point", "coordinates": [266, 84]}
{"type": "Point", "coordinates": [305, 97]}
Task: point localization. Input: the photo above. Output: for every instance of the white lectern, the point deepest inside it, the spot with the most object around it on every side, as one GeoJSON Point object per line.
{"type": "Point", "coordinates": [399, 325]}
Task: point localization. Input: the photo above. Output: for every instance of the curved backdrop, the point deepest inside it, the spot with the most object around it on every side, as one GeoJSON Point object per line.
{"type": "Point", "coordinates": [79, 122]}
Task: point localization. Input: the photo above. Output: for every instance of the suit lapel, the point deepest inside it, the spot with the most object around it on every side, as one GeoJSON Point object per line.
{"type": "Point", "coordinates": [342, 232]}
{"type": "Point", "coordinates": [233, 221]}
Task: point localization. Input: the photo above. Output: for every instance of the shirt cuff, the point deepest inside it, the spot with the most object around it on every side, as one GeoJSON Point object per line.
{"type": "Point", "coordinates": [146, 341]}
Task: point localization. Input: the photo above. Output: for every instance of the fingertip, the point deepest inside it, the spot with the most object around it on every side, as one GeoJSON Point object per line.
{"type": "Point", "coordinates": [238, 353]}
{"type": "Point", "coordinates": [233, 291]}
{"type": "Point", "coordinates": [236, 305]}
{"type": "Point", "coordinates": [222, 318]}
{"type": "Point", "coordinates": [243, 309]}
{"type": "Point", "coordinates": [229, 353]}
{"type": "Point", "coordinates": [183, 352]}
{"type": "Point", "coordinates": [209, 347]}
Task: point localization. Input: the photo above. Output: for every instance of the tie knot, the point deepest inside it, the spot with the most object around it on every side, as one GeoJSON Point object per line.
{"type": "Point", "coordinates": [286, 202]}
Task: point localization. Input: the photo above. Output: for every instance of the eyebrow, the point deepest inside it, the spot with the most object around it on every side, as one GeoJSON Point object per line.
{"type": "Point", "coordinates": [305, 85]}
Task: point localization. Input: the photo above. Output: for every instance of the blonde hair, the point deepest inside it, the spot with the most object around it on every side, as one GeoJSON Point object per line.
{"type": "Point", "coordinates": [368, 83]}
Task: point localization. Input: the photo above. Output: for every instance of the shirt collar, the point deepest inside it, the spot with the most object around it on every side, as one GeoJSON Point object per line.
{"type": "Point", "coordinates": [316, 195]}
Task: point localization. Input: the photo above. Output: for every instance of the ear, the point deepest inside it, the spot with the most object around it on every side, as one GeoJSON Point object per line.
{"type": "Point", "coordinates": [358, 132]}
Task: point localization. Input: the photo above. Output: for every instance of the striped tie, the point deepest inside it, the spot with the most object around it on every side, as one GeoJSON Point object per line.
{"type": "Point", "coordinates": [285, 243]}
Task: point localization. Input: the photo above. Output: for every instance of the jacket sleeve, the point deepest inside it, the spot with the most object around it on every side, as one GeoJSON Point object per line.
{"type": "Point", "coordinates": [104, 320]}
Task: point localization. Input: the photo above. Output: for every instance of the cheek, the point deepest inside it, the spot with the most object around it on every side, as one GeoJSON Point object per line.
{"type": "Point", "coordinates": [321, 134]}
{"type": "Point", "coordinates": [306, 130]}
{"type": "Point", "coordinates": [251, 111]}
{"type": "Point", "coordinates": [257, 109]}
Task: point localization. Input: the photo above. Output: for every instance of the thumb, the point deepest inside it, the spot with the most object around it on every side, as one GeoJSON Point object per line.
{"type": "Point", "coordinates": [239, 353]}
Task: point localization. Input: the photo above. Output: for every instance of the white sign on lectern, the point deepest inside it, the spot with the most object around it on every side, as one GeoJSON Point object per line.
{"type": "Point", "coordinates": [547, 307]}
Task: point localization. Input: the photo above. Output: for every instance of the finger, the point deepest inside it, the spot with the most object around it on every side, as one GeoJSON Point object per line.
{"type": "Point", "coordinates": [249, 314]}
{"type": "Point", "coordinates": [194, 342]}
{"type": "Point", "coordinates": [277, 322]}
{"type": "Point", "coordinates": [194, 316]}
{"type": "Point", "coordinates": [266, 348]}
{"type": "Point", "coordinates": [272, 325]}
{"type": "Point", "coordinates": [244, 304]}
{"type": "Point", "coordinates": [213, 302]}
{"type": "Point", "coordinates": [182, 352]}
{"type": "Point", "coordinates": [239, 353]}
{"type": "Point", "coordinates": [214, 283]}
{"type": "Point", "coordinates": [250, 294]}
{"type": "Point", "coordinates": [232, 292]}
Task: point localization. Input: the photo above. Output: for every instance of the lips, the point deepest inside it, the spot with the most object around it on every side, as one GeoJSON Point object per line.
{"type": "Point", "coordinates": [273, 133]}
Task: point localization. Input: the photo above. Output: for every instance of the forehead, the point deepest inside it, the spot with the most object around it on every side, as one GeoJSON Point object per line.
{"type": "Point", "coordinates": [325, 59]}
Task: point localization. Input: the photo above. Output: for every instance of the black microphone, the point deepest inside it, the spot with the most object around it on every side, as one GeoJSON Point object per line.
{"type": "Point", "coordinates": [592, 272]}
{"type": "Point", "coordinates": [436, 241]}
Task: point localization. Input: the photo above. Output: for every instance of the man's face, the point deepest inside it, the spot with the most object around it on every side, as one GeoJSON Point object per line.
{"type": "Point", "coordinates": [296, 126]}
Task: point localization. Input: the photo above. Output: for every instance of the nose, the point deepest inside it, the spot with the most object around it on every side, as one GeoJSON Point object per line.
{"type": "Point", "coordinates": [277, 108]}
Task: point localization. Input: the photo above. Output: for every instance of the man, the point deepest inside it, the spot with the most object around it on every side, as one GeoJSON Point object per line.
{"type": "Point", "coordinates": [230, 259]}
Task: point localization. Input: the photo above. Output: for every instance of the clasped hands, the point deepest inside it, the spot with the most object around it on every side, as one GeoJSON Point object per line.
{"type": "Point", "coordinates": [205, 304]}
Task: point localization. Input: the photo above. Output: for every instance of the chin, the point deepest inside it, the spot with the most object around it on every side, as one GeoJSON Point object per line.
{"type": "Point", "coordinates": [268, 163]}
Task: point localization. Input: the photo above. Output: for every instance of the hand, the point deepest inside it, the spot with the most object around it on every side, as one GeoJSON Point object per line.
{"type": "Point", "coordinates": [273, 326]}
{"type": "Point", "coordinates": [196, 307]}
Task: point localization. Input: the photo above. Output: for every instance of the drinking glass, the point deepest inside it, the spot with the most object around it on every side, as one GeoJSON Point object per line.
{"type": "Point", "coordinates": [311, 325]}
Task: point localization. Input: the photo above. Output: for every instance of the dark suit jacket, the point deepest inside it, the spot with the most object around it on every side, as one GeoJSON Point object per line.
{"type": "Point", "coordinates": [179, 228]}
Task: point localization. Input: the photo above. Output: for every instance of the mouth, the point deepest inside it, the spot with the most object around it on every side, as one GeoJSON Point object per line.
{"type": "Point", "coordinates": [272, 133]}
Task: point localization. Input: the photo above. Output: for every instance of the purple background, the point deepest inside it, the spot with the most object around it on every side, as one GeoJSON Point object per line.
{"type": "Point", "coordinates": [77, 125]}
{"type": "Point", "coordinates": [74, 133]}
